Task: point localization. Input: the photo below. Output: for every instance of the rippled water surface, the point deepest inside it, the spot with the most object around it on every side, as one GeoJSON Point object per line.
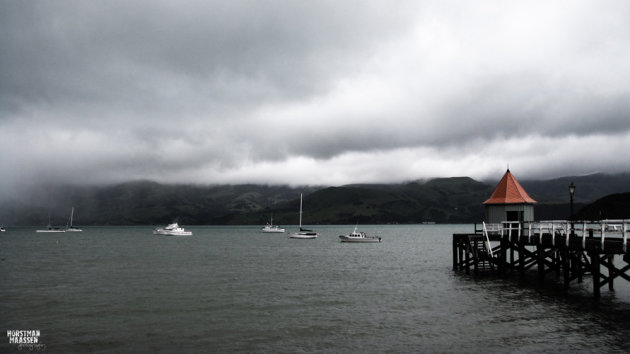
{"type": "Point", "coordinates": [234, 289]}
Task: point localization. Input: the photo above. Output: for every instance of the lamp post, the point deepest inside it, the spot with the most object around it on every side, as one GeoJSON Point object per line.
{"type": "Point", "coordinates": [571, 193]}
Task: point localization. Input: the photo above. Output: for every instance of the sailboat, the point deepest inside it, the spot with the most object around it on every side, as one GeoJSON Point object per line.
{"type": "Point", "coordinates": [49, 228]}
{"type": "Point", "coordinates": [303, 233]}
{"type": "Point", "coordinates": [70, 227]}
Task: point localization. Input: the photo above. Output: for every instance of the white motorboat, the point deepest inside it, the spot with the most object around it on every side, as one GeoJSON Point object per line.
{"type": "Point", "coordinates": [172, 230]}
{"type": "Point", "coordinates": [303, 233]}
{"type": "Point", "coordinates": [49, 228]}
{"type": "Point", "coordinates": [72, 228]}
{"type": "Point", "coordinates": [2, 229]}
{"type": "Point", "coordinates": [359, 237]}
{"type": "Point", "coordinates": [271, 228]}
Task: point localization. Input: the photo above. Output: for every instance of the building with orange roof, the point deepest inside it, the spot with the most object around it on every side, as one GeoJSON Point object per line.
{"type": "Point", "coordinates": [509, 202]}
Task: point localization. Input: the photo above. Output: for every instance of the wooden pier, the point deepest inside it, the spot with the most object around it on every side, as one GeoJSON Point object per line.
{"type": "Point", "coordinates": [573, 249]}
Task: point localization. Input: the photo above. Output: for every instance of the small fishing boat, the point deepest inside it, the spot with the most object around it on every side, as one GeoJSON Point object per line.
{"type": "Point", "coordinates": [303, 233]}
{"type": "Point", "coordinates": [172, 230]}
{"type": "Point", "coordinates": [271, 228]}
{"type": "Point", "coordinates": [359, 237]}
{"type": "Point", "coordinates": [2, 229]}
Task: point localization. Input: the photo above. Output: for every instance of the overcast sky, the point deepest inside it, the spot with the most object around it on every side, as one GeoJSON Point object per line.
{"type": "Point", "coordinates": [311, 92]}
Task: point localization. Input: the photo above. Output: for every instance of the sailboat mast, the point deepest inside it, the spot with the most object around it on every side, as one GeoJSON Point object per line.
{"type": "Point", "coordinates": [71, 215]}
{"type": "Point", "coordinates": [300, 210]}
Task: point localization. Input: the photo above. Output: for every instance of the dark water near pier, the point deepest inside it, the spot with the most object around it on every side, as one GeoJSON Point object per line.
{"type": "Point", "coordinates": [233, 289]}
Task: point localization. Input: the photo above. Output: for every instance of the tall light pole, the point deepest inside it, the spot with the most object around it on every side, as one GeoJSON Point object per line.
{"type": "Point", "coordinates": [571, 193]}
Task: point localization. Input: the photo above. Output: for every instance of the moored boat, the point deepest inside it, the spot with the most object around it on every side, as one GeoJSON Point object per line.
{"type": "Point", "coordinates": [359, 237]}
{"type": "Point", "coordinates": [303, 233]}
{"type": "Point", "coordinates": [71, 227]}
{"type": "Point", "coordinates": [172, 230]}
{"type": "Point", "coordinates": [271, 228]}
{"type": "Point", "coordinates": [50, 228]}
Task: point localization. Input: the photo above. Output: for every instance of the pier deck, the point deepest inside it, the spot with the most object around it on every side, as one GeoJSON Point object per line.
{"type": "Point", "coordinates": [576, 249]}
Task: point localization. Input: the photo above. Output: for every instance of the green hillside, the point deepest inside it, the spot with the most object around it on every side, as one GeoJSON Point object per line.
{"type": "Point", "coordinates": [614, 206]}
{"type": "Point", "coordinates": [441, 200]}
{"type": "Point", "coordinates": [447, 200]}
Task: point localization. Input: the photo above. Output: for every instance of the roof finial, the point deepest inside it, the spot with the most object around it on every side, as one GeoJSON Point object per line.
{"type": "Point", "coordinates": [508, 167]}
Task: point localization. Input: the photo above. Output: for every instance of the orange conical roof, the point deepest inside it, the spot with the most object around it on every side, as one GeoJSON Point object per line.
{"type": "Point", "coordinates": [509, 191]}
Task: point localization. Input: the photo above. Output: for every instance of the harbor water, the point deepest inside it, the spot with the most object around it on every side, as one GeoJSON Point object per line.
{"type": "Point", "coordinates": [234, 289]}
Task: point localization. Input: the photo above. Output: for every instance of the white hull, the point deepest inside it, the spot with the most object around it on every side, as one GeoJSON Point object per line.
{"type": "Point", "coordinates": [359, 237]}
{"type": "Point", "coordinates": [360, 240]}
{"type": "Point", "coordinates": [50, 228]}
{"type": "Point", "coordinates": [172, 230]}
{"type": "Point", "coordinates": [184, 233]}
{"type": "Point", "coordinates": [272, 229]}
{"type": "Point", "coordinates": [304, 236]}
{"type": "Point", "coordinates": [73, 229]}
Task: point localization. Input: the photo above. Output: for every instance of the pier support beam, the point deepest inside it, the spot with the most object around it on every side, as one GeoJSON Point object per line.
{"type": "Point", "coordinates": [541, 262]}
{"type": "Point", "coordinates": [611, 272]}
{"type": "Point", "coordinates": [521, 258]}
{"type": "Point", "coordinates": [566, 268]}
{"type": "Point", "coordinates": [596, 275]}
{"type": "Point", "coordinates": [455, 253]}
{"type": "Point", "coordinates": [476, 257]}
{"type": "Point", "coordinates": [580, 270]}
{"type": "Point", "coordinates": [503, 254]}
{"type": "Point", "coordinates": [467, 257]}
{"type": "Point", "coordinates": [463, 249]}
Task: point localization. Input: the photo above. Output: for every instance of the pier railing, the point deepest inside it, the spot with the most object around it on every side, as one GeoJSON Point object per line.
{"type": "Point", "coordinates": [583, 229]}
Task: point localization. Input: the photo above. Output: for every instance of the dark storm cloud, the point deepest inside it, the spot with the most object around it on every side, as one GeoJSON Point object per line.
{"type": "Point", "coordinates": [226, 52]}
{"type": "Point", "coordinates": [270, 91]}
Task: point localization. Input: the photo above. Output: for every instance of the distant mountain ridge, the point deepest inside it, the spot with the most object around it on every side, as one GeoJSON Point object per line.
{"type": "Point", "coordinates": [450, 200]}
{"type": "Point", "coordinates": [614, 206]}
{"type": "Point", "coordinates": [441, 200]}
{"type": "Point", "coordinates": [588, 187]}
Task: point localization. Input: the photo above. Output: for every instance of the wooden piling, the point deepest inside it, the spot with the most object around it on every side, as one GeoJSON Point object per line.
{"type": "Point", "coordinates": [595, 271]}
{"type": "Point", "coordinates": [566, 266]}
{"type": "Point", "coordinates": [541, 262]}
{"type": "Point", "coordinates": [611, 272]}
{"type": "Point", "coordinates": [456, 252]}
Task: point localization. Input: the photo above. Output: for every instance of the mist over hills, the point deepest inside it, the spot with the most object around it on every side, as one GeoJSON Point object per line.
{"type": "Point", "coordinates": [442, 200]}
